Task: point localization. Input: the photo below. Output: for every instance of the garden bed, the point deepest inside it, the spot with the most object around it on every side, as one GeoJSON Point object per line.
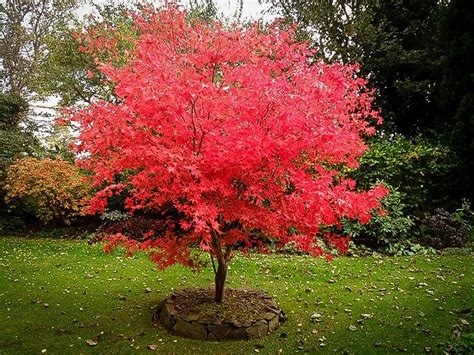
{"type": "Point", "coordinates": [244, 314]}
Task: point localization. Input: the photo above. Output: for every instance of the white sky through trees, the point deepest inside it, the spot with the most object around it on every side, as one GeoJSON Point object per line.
{"type": "Point", "coordinates": [252, 9]}
{"type": "Point", "coordinates": [45, 110]}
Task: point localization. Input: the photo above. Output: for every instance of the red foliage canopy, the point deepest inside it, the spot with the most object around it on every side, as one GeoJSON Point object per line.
{"type": "Point", "coordinates": [240, 130]}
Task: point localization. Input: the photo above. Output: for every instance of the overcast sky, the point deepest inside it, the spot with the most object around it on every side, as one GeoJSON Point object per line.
{"type": "Point", "coordinates": [252, 9]}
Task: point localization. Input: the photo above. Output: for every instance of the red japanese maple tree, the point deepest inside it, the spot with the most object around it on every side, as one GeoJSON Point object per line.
{"type": "Point", "coordinates": [239, 130]}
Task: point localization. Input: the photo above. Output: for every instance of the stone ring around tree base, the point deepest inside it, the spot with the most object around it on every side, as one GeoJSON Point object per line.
{"type": "Point", "coordinates": [244, 314]}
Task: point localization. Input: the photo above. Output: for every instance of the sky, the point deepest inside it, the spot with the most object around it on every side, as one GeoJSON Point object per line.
{"type": "Point", "coordinates": [252, 9]}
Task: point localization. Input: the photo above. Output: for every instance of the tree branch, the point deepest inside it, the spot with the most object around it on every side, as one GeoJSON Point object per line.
{"type": "Point", "coordinates": [213, 264]}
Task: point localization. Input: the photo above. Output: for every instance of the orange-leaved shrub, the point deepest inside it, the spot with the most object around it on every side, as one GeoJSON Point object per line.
{"type": "Point", "coordinates": [52, 189]}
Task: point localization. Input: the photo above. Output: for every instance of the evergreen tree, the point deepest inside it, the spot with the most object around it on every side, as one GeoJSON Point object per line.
{"type": "Point", "coordinates": [15, 141]}
{"type": "Point", "coordinates": [456, 97]}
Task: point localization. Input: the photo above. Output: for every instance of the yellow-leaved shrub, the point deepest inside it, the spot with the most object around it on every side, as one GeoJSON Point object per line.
{"type": "Point", "coordinates": [53, 189]}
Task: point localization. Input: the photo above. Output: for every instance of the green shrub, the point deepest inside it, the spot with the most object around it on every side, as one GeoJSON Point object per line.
{"type": "Point", "coordinates": [403, 248]}
{"type": "Point", "coordinates": [12, 107]}
{"type": "Point", "coordinates": [383, 230]}
{"type": "Point", "coordinates": [417, 168]}
{"type": "Point", "coordinates": [465, 215]}
{"type": "Point", "coordinates": [114, 216]}
{"type": "Point", "coordinates": [408, 248]}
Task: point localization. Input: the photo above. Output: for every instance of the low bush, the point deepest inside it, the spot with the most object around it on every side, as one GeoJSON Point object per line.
{"type": "Point", "coordinates": [11, 224]}
{"type": "Point", "coordinates": [51, 189]}
{"type": "Point", "coordinates": [408, 248]}
{"type": "Point", "coordinates": [383, 230]}
{"type": "Point", "coordinates": [417, 168]}
{"type": "Point", "coordinates": [446, 230]}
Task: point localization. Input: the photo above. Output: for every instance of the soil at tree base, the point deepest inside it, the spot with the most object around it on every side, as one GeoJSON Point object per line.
{"type": "Point", "coordinates": [244, 314]}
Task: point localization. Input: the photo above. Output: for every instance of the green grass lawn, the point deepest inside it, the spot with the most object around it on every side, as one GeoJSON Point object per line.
{"type": "Point", "coordinates": [57, 294]}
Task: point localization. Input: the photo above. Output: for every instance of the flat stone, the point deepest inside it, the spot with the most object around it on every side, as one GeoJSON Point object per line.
{"type": "Point", "coordinates": [269, 315]}
{"type": "Point", "coordinates": [230, 320]}
{"type": "Point", "coordinates": [191, 330]}
{"type": "Point", "coordinates": [210, 321]}
{"type": "Point", "coordinates": [273, 324]}
{"type": "Point", "coordinates": [227, 331]}
{"type": "Point", "coordinates": [244, 324]}
{"type": "Point", "coordinates": [160, 305]}
{"type": "Point", "coordinates": [271, 303]}
{"type": "Point", "coordinates": [257, 330]}
{"type": "Point", "coordinates": [190, 317]}
{"type": "Point", "coordinates": [238, 333]}
{"type": "Point", "coordinates": [220, 331]}
{"type": "Point", "coordinates": [166, 316]}
{"type": "Point", "coordinates": [169, 309]}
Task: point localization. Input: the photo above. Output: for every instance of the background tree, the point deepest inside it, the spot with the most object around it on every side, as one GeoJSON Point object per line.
{"type": "Point", "coordinates": [12, 108]}
{"type": "Point", "coordinates": [455, 114]}
{"type": "Point", "coordinates": [72, 73]}
{"type": "Point", "coordinates": [15, 141]}
{"type": "Point", "coordinates": [246, 95]}
{"type": "Point", "coordinates": [203, 9]}
{"type": "Point", "coordinates": [395, 43]}
{"type": "Point", "coordinates": [337, 29]}
{"type": "Point", "coordinates": [416, 55]}
{"type": "Point", "coordinates": [402, 60]}
{"type": "Point", "coordinates": [24, 27]}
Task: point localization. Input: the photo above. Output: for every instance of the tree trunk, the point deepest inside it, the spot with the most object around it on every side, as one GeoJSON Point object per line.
{"type": "Point", "coordinates": [221, 275]}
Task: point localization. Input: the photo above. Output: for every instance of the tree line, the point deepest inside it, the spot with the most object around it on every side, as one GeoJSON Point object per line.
{"type": "Point", "coordinates": [416, 55]}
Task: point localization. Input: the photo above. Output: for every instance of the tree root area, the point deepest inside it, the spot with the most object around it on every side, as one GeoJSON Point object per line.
{"type": "Point", "coordinates": [244, 314]}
